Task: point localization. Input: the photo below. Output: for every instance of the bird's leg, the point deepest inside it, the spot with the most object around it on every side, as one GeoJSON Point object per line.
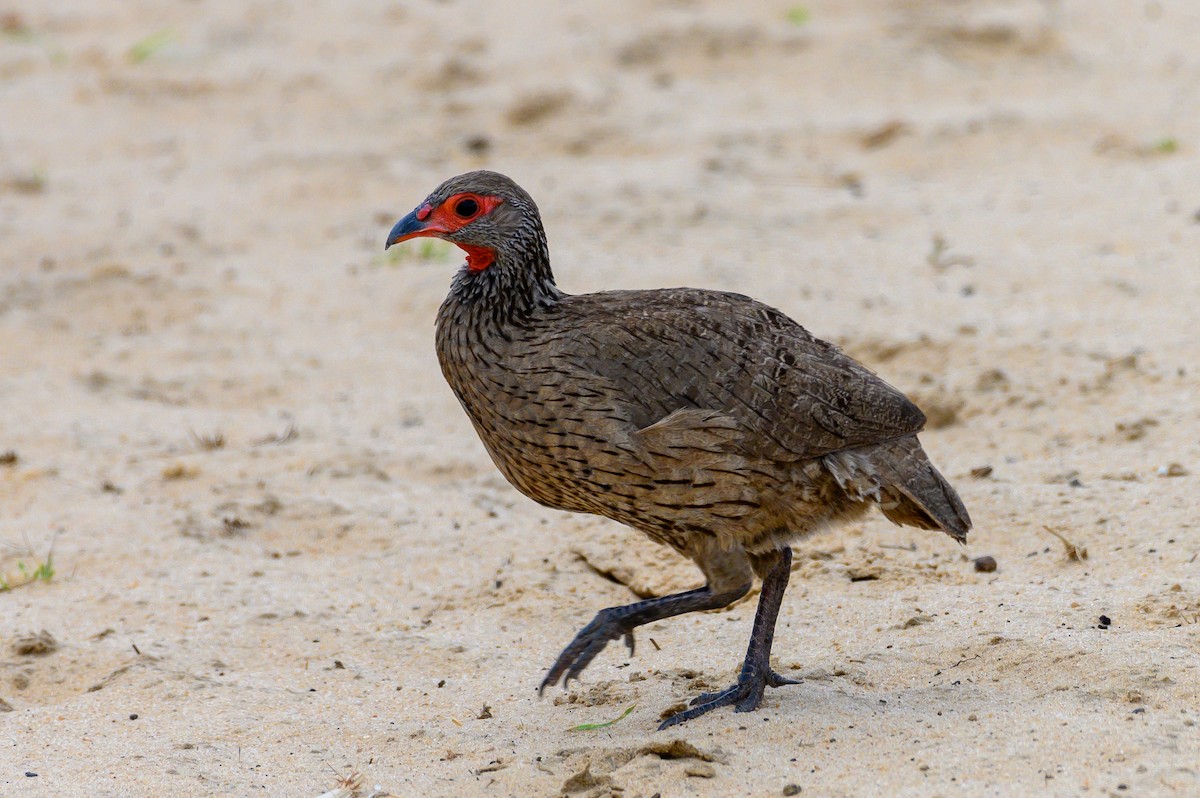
{"type": "Point", "coordinates": [616, 622]}
{"type": "Point", "coordinates": [756, 672]}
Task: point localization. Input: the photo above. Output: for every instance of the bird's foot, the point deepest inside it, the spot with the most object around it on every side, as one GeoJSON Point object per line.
{"type": "Point", "coordinates": [609, 624]}
{"type": "Point", "coordinates": [746, 695]}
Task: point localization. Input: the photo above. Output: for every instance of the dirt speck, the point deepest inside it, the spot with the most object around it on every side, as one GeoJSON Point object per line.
{"type": "Point", "coordinates": [35, 645]}
{"type": "Point", "coordinates": [538, 107]}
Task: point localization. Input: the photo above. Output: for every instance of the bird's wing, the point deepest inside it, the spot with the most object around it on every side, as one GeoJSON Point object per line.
{"type": "Point", "coordinates": [658, 352]}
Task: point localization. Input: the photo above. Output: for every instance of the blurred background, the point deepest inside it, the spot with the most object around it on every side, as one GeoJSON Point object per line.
{"type": "Point", "coordinates": [241, 505]}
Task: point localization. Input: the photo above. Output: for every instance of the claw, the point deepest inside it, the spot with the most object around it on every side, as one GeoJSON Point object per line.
{"type": "Point", "coordinates": [746, 695]}
{"type": "Point", "coordinates": [580, 652]}
{"type": "Point", "coordinates": [775, 680]}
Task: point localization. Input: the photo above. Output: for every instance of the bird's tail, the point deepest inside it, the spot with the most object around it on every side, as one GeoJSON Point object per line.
{"type": "Point", "coordinates": [910, 491]}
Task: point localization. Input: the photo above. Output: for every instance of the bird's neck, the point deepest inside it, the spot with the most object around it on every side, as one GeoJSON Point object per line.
{"type": "Point", "coordinates": [508, 290]}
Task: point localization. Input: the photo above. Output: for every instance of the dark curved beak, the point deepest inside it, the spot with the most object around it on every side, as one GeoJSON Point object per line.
{"type": "Point", "coordinates": [408, 227]}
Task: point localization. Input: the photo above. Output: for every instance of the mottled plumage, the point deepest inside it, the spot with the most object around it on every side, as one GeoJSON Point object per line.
{"type": "Point", "coordinates": [707, 420]}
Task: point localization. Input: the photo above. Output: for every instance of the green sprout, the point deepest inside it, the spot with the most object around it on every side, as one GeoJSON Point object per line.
{"type": "Point", "coordinates": [44, 572]}
{"type": "Point", "coordinates": [147, 47]}
{"type": "Point", "coordinates": [1165, 145]}
{"type": "Point", "coordinates": [428, 249]}
{"type": "Point", "coordinates": [605, 724]}
{"type": "Point", "coordinates": [798, 15]}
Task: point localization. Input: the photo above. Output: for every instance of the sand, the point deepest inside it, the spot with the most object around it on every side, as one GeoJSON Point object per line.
{"type": "Point", "coordinates": [280, 552]}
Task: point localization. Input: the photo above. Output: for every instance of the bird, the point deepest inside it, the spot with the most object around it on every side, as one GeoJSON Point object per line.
{"type": "Point", "coordinates": [710, 422]}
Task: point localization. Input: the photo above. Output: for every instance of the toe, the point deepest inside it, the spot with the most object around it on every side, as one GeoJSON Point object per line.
{"type": "Point", "coordinates": [775, 680]}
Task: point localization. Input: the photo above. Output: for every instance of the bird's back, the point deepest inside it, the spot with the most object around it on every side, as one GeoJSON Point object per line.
{"type": "Point", "coordinates": [795, 395]}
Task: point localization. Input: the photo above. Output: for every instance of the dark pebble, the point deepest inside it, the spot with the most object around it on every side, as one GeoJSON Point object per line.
{"type": "Point", "coordinates": [791, 789]}
{"type": "Point", "coordinates": [985, 564]}
{"type": "Point", "coordinates": [29, 774]}
{"type": "Point", "coordinates": [477, 145]}
{"type": "Point", "coordinates": [133, 716]}
{"type": "Point", "coordinates": [1105, 620]}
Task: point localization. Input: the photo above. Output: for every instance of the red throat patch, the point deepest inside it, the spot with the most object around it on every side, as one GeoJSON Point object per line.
{"type": "Point", "coordinates": [478, 258]}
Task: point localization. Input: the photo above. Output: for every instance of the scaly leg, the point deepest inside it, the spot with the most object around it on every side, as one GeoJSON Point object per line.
{"type": "Point", "coordinates": [756, 672]}
{"type": "Point", "coordinates": [616, 622]}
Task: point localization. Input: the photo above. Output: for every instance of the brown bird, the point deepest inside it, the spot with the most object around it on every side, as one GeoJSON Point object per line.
{"type": "Point", "coordinates": [711, 422]}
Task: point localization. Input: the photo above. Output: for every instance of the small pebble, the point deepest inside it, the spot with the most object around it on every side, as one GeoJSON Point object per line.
{"type": "Point", "coordinates": [477, 144]}
{"type": "Point", "coordinates": [133, 716]}
{"type": "Point", "coordinates": [1105, 622]}
{"type": "Point", "coordinates": [791, 789]}
{"type": "Point", "coordinates": [29, 774]}
{"type": "Point", "coordinates": [985, 564]}
{"type": "Point", "coordinates": [35, 645]}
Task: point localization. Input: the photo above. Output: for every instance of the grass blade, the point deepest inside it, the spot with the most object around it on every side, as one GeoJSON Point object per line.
{"type": "Point", "coordinates": [605, 724]}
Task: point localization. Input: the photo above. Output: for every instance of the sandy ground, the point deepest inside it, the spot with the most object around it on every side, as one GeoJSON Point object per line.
{"type": "Point", "coordinates": [279, 550]}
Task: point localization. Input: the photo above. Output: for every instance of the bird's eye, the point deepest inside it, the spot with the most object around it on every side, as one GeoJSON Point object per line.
{"type": "Point", "coordinates": [466, 207]}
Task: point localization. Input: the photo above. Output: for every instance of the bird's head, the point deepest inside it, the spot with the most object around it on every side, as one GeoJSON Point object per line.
{"type": "Point", "coordinates": [485, 214]}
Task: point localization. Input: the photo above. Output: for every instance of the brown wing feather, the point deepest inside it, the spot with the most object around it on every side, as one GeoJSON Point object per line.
{"type": "Point", "coordinates": [667, 350]}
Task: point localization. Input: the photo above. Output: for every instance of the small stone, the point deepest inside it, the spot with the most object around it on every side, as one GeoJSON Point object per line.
{"type": "Point", "coordinates": [133, 716]}
{"type": "Point", "coordinates": [985, 564]}
{"type": "Point", "coordinates": [1105, 622]}
{"type": "Point", "coordinates": [864, 573]}
{"type": "Point", "coordinates": [1172, 470]}
{"type": "Point", "coordinates": [35, 645]}
{"type": "Point", "coordinates": [700, 770]}
{"type": "Point", "coordinates": [982, 472]}
{"type": "Point", "coordinates": [791, 789]}
{"type": "Point", "coordinates": [477, 144]}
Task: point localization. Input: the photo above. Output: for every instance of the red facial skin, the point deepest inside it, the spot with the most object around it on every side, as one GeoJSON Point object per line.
{"type": "Point", "coordinates": [444, 219]}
